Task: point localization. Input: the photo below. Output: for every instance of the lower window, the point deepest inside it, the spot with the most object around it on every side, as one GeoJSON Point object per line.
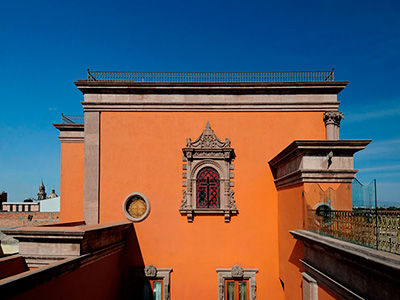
{"type": "Point", "coordinates": [154, 290]}
{"type": "Point", "coordinates": [236, 289]}
{"type": "Point", "coordinates": [237, 283]}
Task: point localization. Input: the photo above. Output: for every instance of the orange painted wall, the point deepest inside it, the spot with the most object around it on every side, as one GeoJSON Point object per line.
{"type": "Point", "coordinates": [290, 217]}
{"type": "Point", "coordinates": [325, 294]}
{"type": "Point", "coordinates": [340, 195]}
{"type": "Point", "coordinates": [141, 151]}
{"type": "Point", "coordinates": [71, 189]}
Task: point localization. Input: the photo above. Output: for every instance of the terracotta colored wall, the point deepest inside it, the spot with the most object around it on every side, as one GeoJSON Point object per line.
{"type": "Point", "coordinates": [290, 217]}
{"type": "Point", "coordinates": [141, 151]}
{"type": "Point", "coordinates": [293, 203]}
{"type": "Point", "coordinates": [12, 265]}
{"type": "Point", "coordinates": [325, 294]}
{"type": "Point", "coordinates": [71, 190]}
{"type": "Point", "coordinates": [340, 195]}
{"type": "Point", "coordinates": [101, 279]}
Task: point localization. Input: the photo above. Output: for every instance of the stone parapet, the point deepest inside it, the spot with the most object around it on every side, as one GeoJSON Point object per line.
{"type": "Point", "coordinates": [316, 161]}
{"type": "Point", "coordinates": [349, 270]}
{"type": "Point", "coordinates": [43, 245]}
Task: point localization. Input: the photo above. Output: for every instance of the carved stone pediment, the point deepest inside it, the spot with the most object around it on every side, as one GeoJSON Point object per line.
{"type": "Point", "coordinates": [208, 140]}
{"type": "Point", "coordinates": [208, 145]}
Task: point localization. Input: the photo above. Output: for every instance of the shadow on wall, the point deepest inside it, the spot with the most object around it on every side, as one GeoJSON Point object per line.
{"type": "Point", "coordinates": [136, 284]}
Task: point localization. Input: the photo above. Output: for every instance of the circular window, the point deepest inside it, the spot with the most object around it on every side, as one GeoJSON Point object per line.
{"type": "Point", "coordinates": [323, 214]}
{"type": "Point", "coordinates": [136, 207]}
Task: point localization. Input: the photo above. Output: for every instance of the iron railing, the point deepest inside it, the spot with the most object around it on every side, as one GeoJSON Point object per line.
{"type": "Point", "coordinates": [210, 77]}
{"type": "Point", "coordinates": [372, 228]}
{"type": "Point", "coordinates": [72, 119]}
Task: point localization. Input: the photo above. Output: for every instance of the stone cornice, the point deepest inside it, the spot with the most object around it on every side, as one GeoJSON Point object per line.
{"type": "Point", "coordinates": [69, 127]}
{"type": "Point", "coordinates": [316, 161]}
{"type": "Point", "coordinates": [127, 87]}
{"type": "Point", "coordinates": [316, 146]}
{"type": "Point", "coordinates": [70, 133]}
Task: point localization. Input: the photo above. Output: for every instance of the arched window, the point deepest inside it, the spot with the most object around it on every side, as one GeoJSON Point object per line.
{"type": "Point", "coordinates": [207, 188]}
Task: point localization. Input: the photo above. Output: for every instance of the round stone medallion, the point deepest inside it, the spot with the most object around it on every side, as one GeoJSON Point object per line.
{"type": "Point", "coordinates": [136, 207]}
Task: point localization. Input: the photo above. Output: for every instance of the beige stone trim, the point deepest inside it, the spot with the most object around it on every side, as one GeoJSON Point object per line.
{"type": "Point", "coordinates": [310, 287]}
{"type": "Point", "coordinates": [71, 136]}
{"type": "Point", "coordinates": [91, 187]}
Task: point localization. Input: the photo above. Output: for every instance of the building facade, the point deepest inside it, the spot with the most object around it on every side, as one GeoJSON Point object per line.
{"type": "Point", "coordinates": [211, 176]}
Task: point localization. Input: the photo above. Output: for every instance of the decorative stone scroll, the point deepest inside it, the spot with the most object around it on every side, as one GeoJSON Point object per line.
{"type": "Point", "coordinates": [237, 273]}
{"type": "Point", "coordinates": [208, 151]}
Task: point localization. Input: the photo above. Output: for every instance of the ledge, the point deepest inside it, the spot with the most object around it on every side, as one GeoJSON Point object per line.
{"type": "Point", "coordinates": [70, 133]}
{"type": "Point", "coordinates": [207, 211]}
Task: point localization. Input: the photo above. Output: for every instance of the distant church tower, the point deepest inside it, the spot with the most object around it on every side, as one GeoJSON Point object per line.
{"type": "Point", "coordinates": [42, 192]}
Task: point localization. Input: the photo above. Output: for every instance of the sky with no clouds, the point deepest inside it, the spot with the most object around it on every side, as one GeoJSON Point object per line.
{"type": "Point", "coordinates": [46, 45]}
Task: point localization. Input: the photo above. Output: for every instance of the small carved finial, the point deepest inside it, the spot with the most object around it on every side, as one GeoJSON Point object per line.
{"type": "Point", "coordinates": [208, 125]}
{"type": "Point", "coordinates": [150, 271]}
{"type": "Point", "coordinates": [237, 271]}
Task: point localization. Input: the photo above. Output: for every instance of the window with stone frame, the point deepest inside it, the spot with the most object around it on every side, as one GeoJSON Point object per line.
{"type": "Point", "coordinates": [157, 284]}
{"type": "Point", "coordinates": [208, 173]}
{"type": "Point", "coordinates": [237, 283]}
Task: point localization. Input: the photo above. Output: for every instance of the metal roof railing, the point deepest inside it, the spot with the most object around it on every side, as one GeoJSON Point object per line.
{"type": "Point", "coordinates": [72, 119]}
{"type": "Point", "coordinates": [213, 77]}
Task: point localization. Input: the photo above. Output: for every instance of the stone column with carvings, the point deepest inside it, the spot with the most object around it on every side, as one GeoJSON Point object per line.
{"type": "Point", "coordinates": [332, 124]}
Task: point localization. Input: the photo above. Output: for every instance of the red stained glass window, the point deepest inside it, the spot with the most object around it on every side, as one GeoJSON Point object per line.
{"type": "Point", "coordinates": [208, 188]}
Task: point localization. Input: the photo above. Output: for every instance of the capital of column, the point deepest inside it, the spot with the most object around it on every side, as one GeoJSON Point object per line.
{"type": "Point", "coordinates": [333, 117]}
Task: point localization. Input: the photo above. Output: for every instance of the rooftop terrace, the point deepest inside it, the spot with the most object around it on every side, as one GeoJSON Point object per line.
{"type": "Point", "coordinates": [213, 77]}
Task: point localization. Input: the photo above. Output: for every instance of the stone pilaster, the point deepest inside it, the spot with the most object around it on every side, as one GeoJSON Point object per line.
{"type": "Point", "coordinates": [332, 124]}
{"type": "Point", "coordinates": [310, 287]}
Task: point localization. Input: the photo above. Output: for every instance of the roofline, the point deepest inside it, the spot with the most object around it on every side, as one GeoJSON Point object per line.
{"type": "Point", "coordinates": [126, 87]}
{"type": "Point", "coordinates": [69, 127]}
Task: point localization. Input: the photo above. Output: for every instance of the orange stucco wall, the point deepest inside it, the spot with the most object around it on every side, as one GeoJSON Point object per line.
{"type": "Point", "coordinates": [337, 195]}
{"type": "Point", "coordinates": [325, 294]}
{"type": "Point", "coordinates": [71, 189]}
{"type": "Point", "coordinates": [141, 152]}
{"type": "Point", "coordinates": [290, 217]}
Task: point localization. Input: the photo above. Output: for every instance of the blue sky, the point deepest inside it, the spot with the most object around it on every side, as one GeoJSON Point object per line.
{"type": "Point", "coordinates": [46, 45]}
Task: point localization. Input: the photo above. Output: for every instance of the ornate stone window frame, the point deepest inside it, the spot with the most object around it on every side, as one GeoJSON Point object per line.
{"type": "Point", "coordinates": [151, 272]}
{"type": "Point", "coordinates": [238, 273]}
{"type": "Point", "coordinates": [208, 151]}
{"type": "Point", "coordinates": [126, 203]}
